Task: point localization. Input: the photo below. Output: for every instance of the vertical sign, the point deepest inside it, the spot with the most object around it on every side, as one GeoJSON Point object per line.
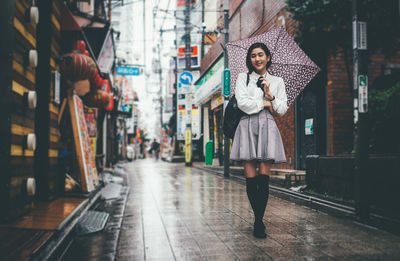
{"type": "Point", "coordinates": [56, 84]}
{"type": "Point", "coordinates": [184, 103]}
{"type": "Point", "coordinates": [309, 126]}
{"type": "Point", "coordinates": [355, 32]}
{"type": "Point", "coordinates": [196, 123]}
{"type": "Point", "coordinates": [226, 91]}
{"type": "Point", "coordinates": [362, 35]}
{"type": "Point", "coordinates": [188, 143]}
{"type": "Point", "coordinates": [362, 93]}
{"type": "Point", "coordinates": [359, 35]}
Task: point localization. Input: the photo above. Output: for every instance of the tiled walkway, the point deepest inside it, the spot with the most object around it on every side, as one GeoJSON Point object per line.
{"type": "Point", "coordinates": [179, 213]}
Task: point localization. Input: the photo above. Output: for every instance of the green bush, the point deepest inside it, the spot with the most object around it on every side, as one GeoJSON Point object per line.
{"type": "Point", "coordinates": [384, 109]}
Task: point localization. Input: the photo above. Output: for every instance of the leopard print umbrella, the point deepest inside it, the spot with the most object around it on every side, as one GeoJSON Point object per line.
{"type": "Point", "coordinates": [288, 61]}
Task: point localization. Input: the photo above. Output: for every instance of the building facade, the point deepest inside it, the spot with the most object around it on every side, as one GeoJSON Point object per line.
{"type": "Point", "coordinates": [321, 120]}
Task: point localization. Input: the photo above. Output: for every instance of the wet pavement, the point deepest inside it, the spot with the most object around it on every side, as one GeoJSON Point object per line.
{"type": "Point", "coordinates": [178, 213]}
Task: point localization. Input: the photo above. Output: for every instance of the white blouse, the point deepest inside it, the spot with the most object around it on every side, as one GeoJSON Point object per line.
{"type": "Point", "coordinates": [250, 97]}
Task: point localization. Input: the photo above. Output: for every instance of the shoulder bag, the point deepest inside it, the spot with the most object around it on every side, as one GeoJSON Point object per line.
{"type": "Point", "coordinates": [232, 116]}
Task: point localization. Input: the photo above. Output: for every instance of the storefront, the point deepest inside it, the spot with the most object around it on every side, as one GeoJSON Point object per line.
{"type": "Point", "coordinates": [208, 95]}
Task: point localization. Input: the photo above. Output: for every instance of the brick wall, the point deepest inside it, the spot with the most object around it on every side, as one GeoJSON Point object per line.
{"type": "Point", "coordinates": [286, 128]}
{"type": "Point", "coordinates": [340, 97]}
{"type": "Point", "coordinates": [252, 17]}
{"type": "Point", "coordinates": [340, 105]}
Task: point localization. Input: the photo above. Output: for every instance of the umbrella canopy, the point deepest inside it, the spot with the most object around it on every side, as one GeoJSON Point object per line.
{"type": "Point", "coordinates": [288, 61]}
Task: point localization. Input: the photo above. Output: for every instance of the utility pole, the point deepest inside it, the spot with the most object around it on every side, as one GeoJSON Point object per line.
{"type": "Point", "coordinates": [360, 89]}
{"type": "Point", "coordinates": [188, 51]}
{"type": "Point", "coordinates": [144, 35]}
{"type": "Point", "coordinates": [160, 91]}
{"type": "Point", "coordinates": [227, 85]}
{"type": "Point", "coordinates": [109, 10]}
{"type": "Point", "coordinates": [202, 29]}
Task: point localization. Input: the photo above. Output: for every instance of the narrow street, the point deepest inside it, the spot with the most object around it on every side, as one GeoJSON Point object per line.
{"type": "Point", "coordinates": [178, 213]}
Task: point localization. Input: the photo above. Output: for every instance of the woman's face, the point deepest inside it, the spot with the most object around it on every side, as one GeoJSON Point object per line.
{"type": "Point", "coordinates": [259, 60]}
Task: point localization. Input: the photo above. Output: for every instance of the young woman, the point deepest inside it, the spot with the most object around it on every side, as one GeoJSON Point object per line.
{"type": "Point", "coordinates": [257, 140]}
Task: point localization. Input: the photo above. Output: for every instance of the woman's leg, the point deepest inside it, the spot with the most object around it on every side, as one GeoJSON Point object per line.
{"type": "Point", "coordinates": [250, 168]}
{"type": "Point", "coordinates": [263, 190]}
{"type": "Point", "coordinates": [251, 183]}
{"type": "Point", "coordinates": [252, 193]}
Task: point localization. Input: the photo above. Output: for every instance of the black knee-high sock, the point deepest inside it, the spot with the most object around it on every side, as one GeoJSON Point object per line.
{"type": "Point", "coordinates": [252, 191]}
{"type": "Point", "coordinates": [262, 196]}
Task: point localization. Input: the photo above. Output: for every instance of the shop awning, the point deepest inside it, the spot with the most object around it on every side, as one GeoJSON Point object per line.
{"type": "Point", "coordinates": [68, 21]}
{"type": "Point", "coordinates": [206, 91]}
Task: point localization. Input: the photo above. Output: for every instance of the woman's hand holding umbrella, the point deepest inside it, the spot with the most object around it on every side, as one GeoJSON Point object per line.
{"type": "Point", "coordinates": [267, 92]}
{"type": "Point", "coordinates": [264, 84]}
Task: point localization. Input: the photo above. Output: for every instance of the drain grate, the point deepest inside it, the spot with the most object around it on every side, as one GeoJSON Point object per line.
{"type": "Point", "coordinates": [91, 221]}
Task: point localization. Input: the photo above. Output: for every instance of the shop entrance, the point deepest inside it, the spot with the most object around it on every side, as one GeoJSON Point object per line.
{"type": "Point", "coordinates": [311, 137]}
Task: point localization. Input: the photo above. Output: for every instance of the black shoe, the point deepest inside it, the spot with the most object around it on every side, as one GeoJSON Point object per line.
{"type": "Point", "coordinates": [259, 230]}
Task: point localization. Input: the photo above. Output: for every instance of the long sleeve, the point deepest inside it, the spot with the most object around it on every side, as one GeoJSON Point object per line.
{"type": "Point", "coordinates": [246, 102]}
{"type": "Point", "coordinates": [280, 102]}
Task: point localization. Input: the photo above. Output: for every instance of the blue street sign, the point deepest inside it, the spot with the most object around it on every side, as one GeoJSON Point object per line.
{"type": "Point", "coordinates": [186, 78]}
{"type": "Point", "coordinates": [124, 70]}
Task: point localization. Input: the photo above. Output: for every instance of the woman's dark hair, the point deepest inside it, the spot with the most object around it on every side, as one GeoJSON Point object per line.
{"type": "Point", "coordinates": [248, 57]}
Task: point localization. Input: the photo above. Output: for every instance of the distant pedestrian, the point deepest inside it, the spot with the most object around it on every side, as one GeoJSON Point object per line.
{"type": "Point", "coordinates": [155, 147]}
{"type": "Point", "coordinates": [142, 154]}
{"type": "Point", "coordinates": [257, 140]}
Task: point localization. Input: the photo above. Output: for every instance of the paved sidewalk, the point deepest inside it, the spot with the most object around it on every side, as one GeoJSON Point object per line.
{"type": "Point", "coordinates": [179, 213]}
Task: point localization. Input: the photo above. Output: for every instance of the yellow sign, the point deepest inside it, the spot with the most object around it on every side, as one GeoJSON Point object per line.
{"type": "Point", "coordinates": [217, 101]}
{"type": "Point", "coordinates": [188, 144]}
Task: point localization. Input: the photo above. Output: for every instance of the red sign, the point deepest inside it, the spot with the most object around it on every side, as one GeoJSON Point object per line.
{"type": "Point", "coordinates": [182, 2]}
{"type": "Point", "coordinates": [194, 51]}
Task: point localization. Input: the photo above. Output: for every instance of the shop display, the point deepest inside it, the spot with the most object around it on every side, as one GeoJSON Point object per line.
{"type": "Point", "coordinates": [83, 148]}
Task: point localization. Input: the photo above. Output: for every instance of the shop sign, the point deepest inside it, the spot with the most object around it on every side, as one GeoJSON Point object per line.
{"type": "Point", "coordinates": [106, 56]}
{"type": "Point", "coordinates": [210, 83]}
{"type": "Point", "coordinates": [359, 35]}
{"type": "Point", "coordinates": [125, 70]}
{"type": "Point", "coordinates": [227, 83]}
{"type": "Point", "coordinates": [217, 101]}
{"type": "Point", "coordinates": [56, 85]}
{"type": "Point", "coordinates": [362, 93]}
{"type": "Point", "coordinates": [181, 122]}
{"type": "Point", "coordinates": [309, 126]}
{"type": "Point", "coordinates": [188, 146]}
{"type": "Point", "coordinates": [127, 108]}
{"type": "Point", "coordinates": [188, 115]}
{"type": "Point", "coordinates": [194, 57]}
{"type": "Point", "coordinates": [83, 146]}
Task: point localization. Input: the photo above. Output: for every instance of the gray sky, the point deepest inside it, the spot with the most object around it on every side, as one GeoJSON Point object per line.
{"type": "Point", "coordinates": [148, 87]}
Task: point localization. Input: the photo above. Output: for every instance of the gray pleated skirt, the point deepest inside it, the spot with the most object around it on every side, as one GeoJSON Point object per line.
{"type": "Point", "coordinates": [257, 138]}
